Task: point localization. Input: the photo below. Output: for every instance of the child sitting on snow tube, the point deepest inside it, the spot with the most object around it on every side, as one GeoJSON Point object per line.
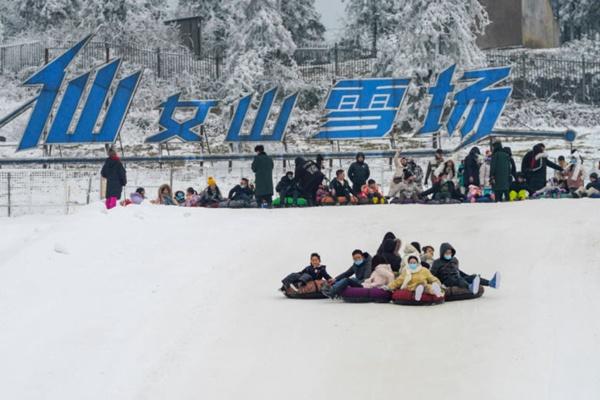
{"type": "Point", "coordinates": [415, 278]}
{"type": "Point", "coordinates": [314, 272]}
{"type": "Point", "coordinates": [446, 269]}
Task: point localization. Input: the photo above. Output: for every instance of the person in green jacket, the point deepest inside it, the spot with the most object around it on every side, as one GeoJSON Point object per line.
{"type": "Point", "coordinates": [500, 170]}
{"type": "Point", "coordinates": [262, 165]}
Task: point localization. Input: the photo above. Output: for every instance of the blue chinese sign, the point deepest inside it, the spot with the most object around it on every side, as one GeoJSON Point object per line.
{"type": "Point", "coordinates": [468, 105]}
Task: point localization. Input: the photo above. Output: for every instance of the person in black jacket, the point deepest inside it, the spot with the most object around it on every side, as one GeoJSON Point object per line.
{"type": "Point", "coordinates": [387, 236]}
{"type": "Point", "coordinates": [390, 251]}
{"type": "Point", "coordinates": [341, 189]}
{"type": "Point", "coordinates": [314, 272]}
{"type": "Point", "coordinates": [534, 166]}
{"type": "Point", "coordinates": [242, 192]}
{"type": "Point", "coordinates": [287, 186]}
{"type": "Point", "coordinates": [308, 176]}
{"type": "Point", "coordinates": [358, 173]}
{"type": "Point", "coordinates": [359, 271]}
{"type": "Point", "coordinates": [513, 165]}
{"type": "Point", "coordinates": [116, 178]}
{"type": "Point", "coordinates": [446, 269]}
{"type": "Point", "coordinates": [472, 165]}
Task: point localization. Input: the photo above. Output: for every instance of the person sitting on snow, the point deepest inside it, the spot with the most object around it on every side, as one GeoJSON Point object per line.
{"type": "Point", "coordinates": [165, 196]}
{"type": "Point", "coordinates": [244, 191]}
{"type": "Point", "coordinates": [415, 278]}
{"type": "Point", "coordinates": [446, 269]}
{"type": "Point", "coordinates": [519, 189]}
{"type": "Point", "coordinates": [191, 198]}
{"type": "Point", "coordinates": [314, 272]}
{"type": "Point", "coordinates": [427, 257]}
{"type": "Point", "coordinates": [371, 193]}
{"type": "Point", "coordinates": [211, 196]}
{"type": "Point", "coordinates": [136, 197]}
{"type": "Point", "coordinates": [359, 271]}
{"type": "Point", "coordinates": [341, 190]}
{"type": "Point", "coordinates": [408, 189]}
{"type": "Point", "coordinates": [592, 189]}
{"type": "Point", "coordinates": [382, 274]}
{"type": "Point", "coordinates": [552, 189]}
{"type": "Point", "coordinates": [389, 250]}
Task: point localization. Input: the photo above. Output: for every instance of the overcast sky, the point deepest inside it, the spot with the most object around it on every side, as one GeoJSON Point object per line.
{"type": "Point", "coordinates": [332, 12]}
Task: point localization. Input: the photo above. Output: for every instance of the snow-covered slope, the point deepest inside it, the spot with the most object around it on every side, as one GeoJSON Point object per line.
{"type": "Point", "coordinates": [158, 302]}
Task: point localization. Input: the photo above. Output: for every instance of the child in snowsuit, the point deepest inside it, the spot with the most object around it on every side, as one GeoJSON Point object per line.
{"type": "Point", "coordinates": [371, 193]}
{"type": "Point", "coordinates": [191, 198]}
{"type": "Point", "coordinates": [314, 272]}
{"type": "Point", "coordinates": [446, 269]}
{"type": "Point", "coordinates": [136, 197]}
{"type": "Point", "coordinates": [519, 189]}
{"type": "Point", "coordinates": [382, 274]}
{"type": "Point", "coordinates": [417, 279]}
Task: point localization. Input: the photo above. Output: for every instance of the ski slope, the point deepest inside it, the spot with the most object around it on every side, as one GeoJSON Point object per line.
{"type": "Point", "coordinates": [156, 302]}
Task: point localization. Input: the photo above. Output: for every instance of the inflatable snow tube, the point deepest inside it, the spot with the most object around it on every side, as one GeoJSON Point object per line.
{"type": "Point", "coordinates": [312, 290]}
{"type": "Point", "coordinates": [364, 295]}
{"type": "Point", "coordinates": [457, 294]}
{"type": "Point", "coordinates": [407, 298]}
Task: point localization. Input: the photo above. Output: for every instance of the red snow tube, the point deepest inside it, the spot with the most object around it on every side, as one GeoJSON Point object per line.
{"type": "Point", "coordinates": [312, 290]}
{"type": "Point", "coordinates": [364, 295]}
{"type": "Point", "coordinates": [456, 294]}
{"type": "Point", "coordinates": [407, 298]}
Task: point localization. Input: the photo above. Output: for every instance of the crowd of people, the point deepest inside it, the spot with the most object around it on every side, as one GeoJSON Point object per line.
{"type": "Point", "coordinates": [490, 176]}
{"type": "Point", "coordinates": [395, 266]}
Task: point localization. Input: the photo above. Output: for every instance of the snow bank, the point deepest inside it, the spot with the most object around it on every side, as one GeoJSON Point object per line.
{"type": "Point", "coordinates": [158, 302]}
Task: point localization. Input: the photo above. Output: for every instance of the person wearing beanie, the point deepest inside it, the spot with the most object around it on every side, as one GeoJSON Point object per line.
{"type": "Point", "coordinates": [116, 178]}
{"type": "Point", "coordinates": [358, 173]}
{"type": "Point", "coordinates": [262, 166]}
{"type": "Point", "coordinates": [417, 279]}
{"type": "Point", "coordinates": [211, 196]}
{"type": "Point", "coordinates": [446, 269]}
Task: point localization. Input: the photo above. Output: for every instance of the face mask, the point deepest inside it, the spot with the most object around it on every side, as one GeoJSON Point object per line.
{"type": "Point", "coordinates": [290, 177]}
{"type": "Point", "coordinates": [358, 263]}
{"type": "Point", "coordinates": [573, 161]}
{"type": "Point", "coordinates": [447, 257]}
{"type": "Point", "coordinates": [412, 266]}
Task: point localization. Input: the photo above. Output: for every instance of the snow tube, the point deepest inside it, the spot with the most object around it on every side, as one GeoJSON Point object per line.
{"type": "Point", "coordinates": [443, 202]}
{"type": "Point", "coordinates": [289, 201]}
{"type": "Point", "coordinates": [312, 290]}
{"type": "Point", "coordinates": [364, 295]}
{"type": "Point", "coordinates": [456, 294]}
{"type": "Point", "coordinates": [407, 298]}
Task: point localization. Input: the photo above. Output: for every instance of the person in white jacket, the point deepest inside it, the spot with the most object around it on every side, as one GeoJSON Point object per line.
{"type": "Point", "coordinates": [382, 274]}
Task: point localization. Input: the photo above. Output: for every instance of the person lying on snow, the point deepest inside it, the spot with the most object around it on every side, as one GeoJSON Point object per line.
{"type": "Point", "coordinates": [359, 271]}
{"type": "Point", "coordinates": [415, 278]}
{"type": "Point", "coordinates": [446, 269]}
{"type": "Point", "coordinates": [552, 189]}
{"type": "Point", "coordinates": [519, 189]}
{"type": "Point", "coordinates": [592, 189]}
{"type": "Point", "coordinates": [314, 272]}
{"type": "Point", "coordinates": [382, 274]}
{"type": "Point", "coordinates": [341, 190]}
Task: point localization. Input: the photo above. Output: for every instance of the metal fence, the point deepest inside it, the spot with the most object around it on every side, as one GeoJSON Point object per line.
{"type": "Point", "coordinates": [534, 76]}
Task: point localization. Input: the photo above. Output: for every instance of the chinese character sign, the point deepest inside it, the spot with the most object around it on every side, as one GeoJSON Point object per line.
{"type": "Point", "coordinates": [362, 108]}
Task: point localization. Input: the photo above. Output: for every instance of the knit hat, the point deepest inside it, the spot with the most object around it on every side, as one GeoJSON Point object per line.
{"type": "Point", "coordinates": [211, 181]}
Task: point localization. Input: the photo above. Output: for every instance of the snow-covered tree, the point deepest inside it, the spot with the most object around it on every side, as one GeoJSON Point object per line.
{"type": "Point", "coordinates": [369, 20]}
{"type": "Point", "coordinates": [303, 21]}
{"type": "Point", "coordinates": [215, 19]}
{"type": "Point", "coordinates": [39, 15]}
{"type": "Point", "coordinates": [260, 49]}
{"type": "Point", "coordinates": [578, 17]}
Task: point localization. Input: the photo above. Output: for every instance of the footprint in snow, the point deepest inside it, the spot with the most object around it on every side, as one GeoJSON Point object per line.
{"type": "Point", "coordinates": [60, 249]}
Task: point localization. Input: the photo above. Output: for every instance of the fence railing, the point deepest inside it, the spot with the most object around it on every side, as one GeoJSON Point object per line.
{"type": "Point", "coordinates": [534, 76]}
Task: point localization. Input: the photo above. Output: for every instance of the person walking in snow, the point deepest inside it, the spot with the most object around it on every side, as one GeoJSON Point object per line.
{"type": "Point", "coordinates": [116, 178]}
{"type": "Point", "coordinates": [446, 269]}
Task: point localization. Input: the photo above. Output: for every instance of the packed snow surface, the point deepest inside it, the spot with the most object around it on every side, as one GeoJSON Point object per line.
{"type": "Point", "coordinates": [155, 302]}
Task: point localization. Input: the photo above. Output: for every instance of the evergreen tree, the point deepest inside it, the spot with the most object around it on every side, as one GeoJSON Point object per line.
{"type": "Point", "coordinates": [260, 49]}
{"type": "Point", "coordinates": [303, 21]}
{"type": "Point", "coordinates": [578, 17]}
{"type": "Point", "coordinates": [39, 15]}
{"type": "Point", "coordinates": [370, 20]}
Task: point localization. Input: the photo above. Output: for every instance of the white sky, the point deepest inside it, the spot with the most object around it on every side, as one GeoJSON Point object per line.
{"type": "Point", "coordinates": [332, 12]}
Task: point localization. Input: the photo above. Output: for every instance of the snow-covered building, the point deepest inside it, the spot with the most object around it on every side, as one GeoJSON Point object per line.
{"type": "Point", "coordinates": [528, 23]}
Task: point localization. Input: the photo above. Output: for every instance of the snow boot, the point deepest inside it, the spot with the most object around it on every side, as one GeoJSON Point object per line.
{"type": "Point", "coordinates": [419, 292]}
{"type": "Point", "coordinates": [474, 287]}
{"type": "Point", "coordinates": [495, 281]}
{"type": "Point", "coordinates": [436, 289]}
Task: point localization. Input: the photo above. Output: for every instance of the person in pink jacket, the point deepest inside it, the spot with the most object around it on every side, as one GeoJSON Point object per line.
{"type": "Point", "coordinates": [382, 274]}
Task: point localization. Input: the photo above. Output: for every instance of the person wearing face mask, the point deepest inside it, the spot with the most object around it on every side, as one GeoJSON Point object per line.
{"type": "Point", "coordinates": [359, 271]}
{"type": "Point", "coordinates": [574, 172]}
{"type": "Point", "coordinates": [416, 279]}
{"type": "Point", "coordinates": [241, 195]}
{"type": "Point", "coordinates": [288, 190]}
{"type": "Point", "coordinates": [446, 269]}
